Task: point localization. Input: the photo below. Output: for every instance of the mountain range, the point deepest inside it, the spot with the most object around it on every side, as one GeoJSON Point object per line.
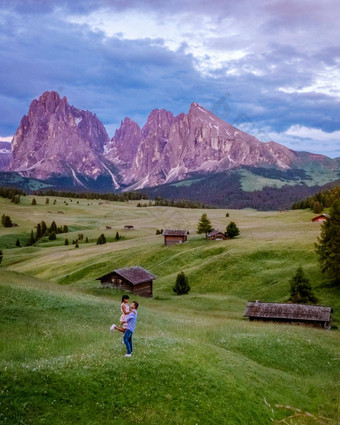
{"type": "Point", "coordinates": [69, 147]}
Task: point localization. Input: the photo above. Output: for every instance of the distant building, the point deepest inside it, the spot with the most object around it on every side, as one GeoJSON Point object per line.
{"type": "Point", "coordinates": [128, 227]}
{"type": "Point", "coordinates": [216, 235]}
{"type": "Point", "coordinates": [173, 237]}
{"type": "Point", "coordinates": [133, 279]}
{"type": "Point", "coordinates": [290, 313]}
{"type": "Point", "coordinates": [108, 227]}
{"type": "Point", "coordinates": [322, 217]}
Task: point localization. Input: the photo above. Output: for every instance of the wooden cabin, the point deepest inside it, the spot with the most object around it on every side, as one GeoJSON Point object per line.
{"type": "Point", "coordinates": [290, 313]}
{"type": "Point", "coordinates": [108, 227]}
{"type": "Point", "coordinates": [173, 237]}
{"type": "Point", "coordinates": [128, 227]}
{"type": "Point", "coordinates": [133, 279]}
{"type": "Point", "coordinates": [320, 218]}
{"type": "Point", "coordinates": [216, 235]}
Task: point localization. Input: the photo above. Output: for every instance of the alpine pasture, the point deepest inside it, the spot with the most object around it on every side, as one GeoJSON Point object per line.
{"type": "Point", "coordinates": [196, 359]}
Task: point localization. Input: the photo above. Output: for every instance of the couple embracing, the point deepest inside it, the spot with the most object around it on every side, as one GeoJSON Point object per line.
{"type": "Point", "coordinates": [128, 322]}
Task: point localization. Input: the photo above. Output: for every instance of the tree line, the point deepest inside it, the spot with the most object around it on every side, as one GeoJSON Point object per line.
{"type": "Point", "coordinates": [319, 201]}
{"type": "Point", "coordinates": [119, 197]}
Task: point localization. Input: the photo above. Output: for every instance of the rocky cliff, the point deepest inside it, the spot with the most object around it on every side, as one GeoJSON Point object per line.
{"type": "Point", "coordinates": [56, 139]}
{"type": "Point", "coordinates": [5, 155]}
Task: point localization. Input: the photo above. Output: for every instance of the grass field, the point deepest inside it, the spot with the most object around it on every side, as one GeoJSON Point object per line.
{"type": "Point", "coordinates": [196, 359]}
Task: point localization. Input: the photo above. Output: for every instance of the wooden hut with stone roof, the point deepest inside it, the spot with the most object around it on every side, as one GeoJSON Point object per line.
{"type": "Point", "coordinates": [133, 279]}
{"type": "Point", "coordinates": [313, 315]}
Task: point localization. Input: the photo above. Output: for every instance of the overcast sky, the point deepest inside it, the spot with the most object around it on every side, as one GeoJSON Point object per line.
{"type": "Point", "coordinates": [268, 67]}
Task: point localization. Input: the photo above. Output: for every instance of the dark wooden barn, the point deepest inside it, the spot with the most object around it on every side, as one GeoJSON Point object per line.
{"type": "Point", "coordinates": [291, 313]}
{"type": "Point", "coordinates": [128, 227]}
{"type": "Point", "coordinates": [133, 279]}
{"type": "Point", "coordinates": [216, 235]}
{"type": "Point", "coordinates": [173, 237]}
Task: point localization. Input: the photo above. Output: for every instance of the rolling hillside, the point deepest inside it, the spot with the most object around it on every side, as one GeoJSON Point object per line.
{"type": "Point", "coordinates": [197, 360]}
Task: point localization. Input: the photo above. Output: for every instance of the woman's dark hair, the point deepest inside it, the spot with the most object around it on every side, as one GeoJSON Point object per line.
{"type": "Point", "coordinates": [125, 297]}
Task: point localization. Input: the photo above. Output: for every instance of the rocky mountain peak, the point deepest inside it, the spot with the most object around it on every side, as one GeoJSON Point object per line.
{"type": "Point", "coordinates": [58, 139]}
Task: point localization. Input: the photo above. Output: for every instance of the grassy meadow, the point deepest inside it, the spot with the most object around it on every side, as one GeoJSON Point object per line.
{"type": "Point", "coordinates": [196, 359]}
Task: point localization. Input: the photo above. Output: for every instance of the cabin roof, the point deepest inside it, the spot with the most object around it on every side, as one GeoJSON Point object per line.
{"type": "Point", "coordinates": [170, 232]}
{"type": "Point", "coordinates": [283, 311]}
{"type": "Point", "coordinates": [135, 274]}
{"type": "Point", "coordinates": [214, 233]}
{"type": "Point", "coordinates": [324, 216]}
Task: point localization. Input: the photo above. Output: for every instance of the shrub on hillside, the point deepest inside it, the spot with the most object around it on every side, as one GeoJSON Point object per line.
{"type": "Point", "coordinates": [6, 221]}
{"type": "Point", "coordinates": [101, 240]}
{"type": "Point", "coordinates": [1, 256]}
{"type": "Point", "coordinates": [181, 285]}
{"type": "Point", "coordinates": [300, 289]}
{"type": "Point", "coordinates": [232, 230]}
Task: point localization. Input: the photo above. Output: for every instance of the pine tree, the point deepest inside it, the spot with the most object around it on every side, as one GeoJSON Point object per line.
{"type": "Point", "coordinates": [3, 219]}
{"type": "Point", "coordinates": [1, 256]}
{"type": "Point", "coordinates": [86, 240]}
{"type": "Point", "coordinates": [17, 243]}
{"type": "Point", "coordinates": [43, 228]}
{"type": "Point", "coordinates": [31, 240]}
{"type": "Point", "coordinates": [66, 241]}
{"type": "Point", "coordinates": [317, 207]}
{"type": "Point", "coordinates": [54, 202]}
{"type": "Point", "coordinates": [227, 214]}
{"type": "Point", "coordinates": [204, 225]}
{"type": "Point", "coordinates": [76, 245]}
{"type": "Point", "coordinates": [53, 227]}
{"type": "Point", "coordinates": [117, 236]}
{"type": "Point", "coordinates": [38, 234]}
{"type": "Point", "coordinates": [300, 288]}
{"type": "Point", "coordinates": [47, 201]}
{"type": "Point", "coordinates": [232, 230]}
{"type": "Point", "coordinates": [52, 236]}
{"type": "Point", "coordinates": [328, 246]}
{"type": "Point", "coordinates": [65, 229]}
{"type": "Point", "coordinates": [34, 202]}
{"type": "Point", "coordinates": [181, 285]}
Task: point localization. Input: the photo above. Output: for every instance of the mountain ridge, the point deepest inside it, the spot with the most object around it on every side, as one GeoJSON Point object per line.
{"type": "Point", "coordinates": [56, 140]}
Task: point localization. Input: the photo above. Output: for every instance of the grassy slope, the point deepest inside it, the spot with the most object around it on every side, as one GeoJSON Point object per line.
{"type": "Point", "coordinates": [197, 360]}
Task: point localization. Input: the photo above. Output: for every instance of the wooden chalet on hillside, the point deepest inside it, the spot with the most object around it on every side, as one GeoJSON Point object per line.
{"type": "Point", "coordinates": [133, 279]}
{"type": "Point", "coordinates": [290, 313]}
{"type": "Point", "coordinates": [320, 218]}
{"type": "Point", "coordinates": [216, 235]}
{"type": "Point", "coordinates": [173, 237]}
{"type": "Point", "coordinates": [128, 227]}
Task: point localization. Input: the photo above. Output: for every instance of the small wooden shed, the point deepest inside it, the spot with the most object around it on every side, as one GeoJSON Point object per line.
{"type": "Point", "coordinates": [314, 315]}
{"type": "Point", "coordinates": [133, 279]}
{"type": "Point", "coordinates": [128, 227]}
{"type": "Point", "coordinates": [216, 235]}
{"type": "Point", "coordinates": [320, 218]}
{"type": "Point", "coordinates": [173, 237]}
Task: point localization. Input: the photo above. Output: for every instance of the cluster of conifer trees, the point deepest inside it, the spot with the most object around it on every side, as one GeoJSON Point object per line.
{"type": "Point", "coordinates": [42, 230]}
{"type": "Point", "coordinates": [319, 201]}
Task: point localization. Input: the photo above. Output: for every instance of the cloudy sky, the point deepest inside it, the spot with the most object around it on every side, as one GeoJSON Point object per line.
{"type": "Point", "coordinates": [269, 67]}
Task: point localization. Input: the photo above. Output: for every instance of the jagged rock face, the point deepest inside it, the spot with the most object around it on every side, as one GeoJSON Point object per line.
{"type": "Point", "coordinates": [5, 155]}
{"type": "Point", "coordinates": [58, 139]}
{"type": "Point", "coordinates": [122, 148]}
{"type": "Point", "coordinates": [173, 148]}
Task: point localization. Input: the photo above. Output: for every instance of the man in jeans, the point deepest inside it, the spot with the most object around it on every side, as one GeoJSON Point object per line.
{"type": "Point", "coordinates": [130, 319]}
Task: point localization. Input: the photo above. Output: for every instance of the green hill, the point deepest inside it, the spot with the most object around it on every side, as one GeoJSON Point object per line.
{"type": "Point", "coordinates": [197, 360]}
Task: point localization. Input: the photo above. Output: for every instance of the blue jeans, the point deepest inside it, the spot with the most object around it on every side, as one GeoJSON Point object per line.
{"type": "Point", "coordinates": [128, 340]}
